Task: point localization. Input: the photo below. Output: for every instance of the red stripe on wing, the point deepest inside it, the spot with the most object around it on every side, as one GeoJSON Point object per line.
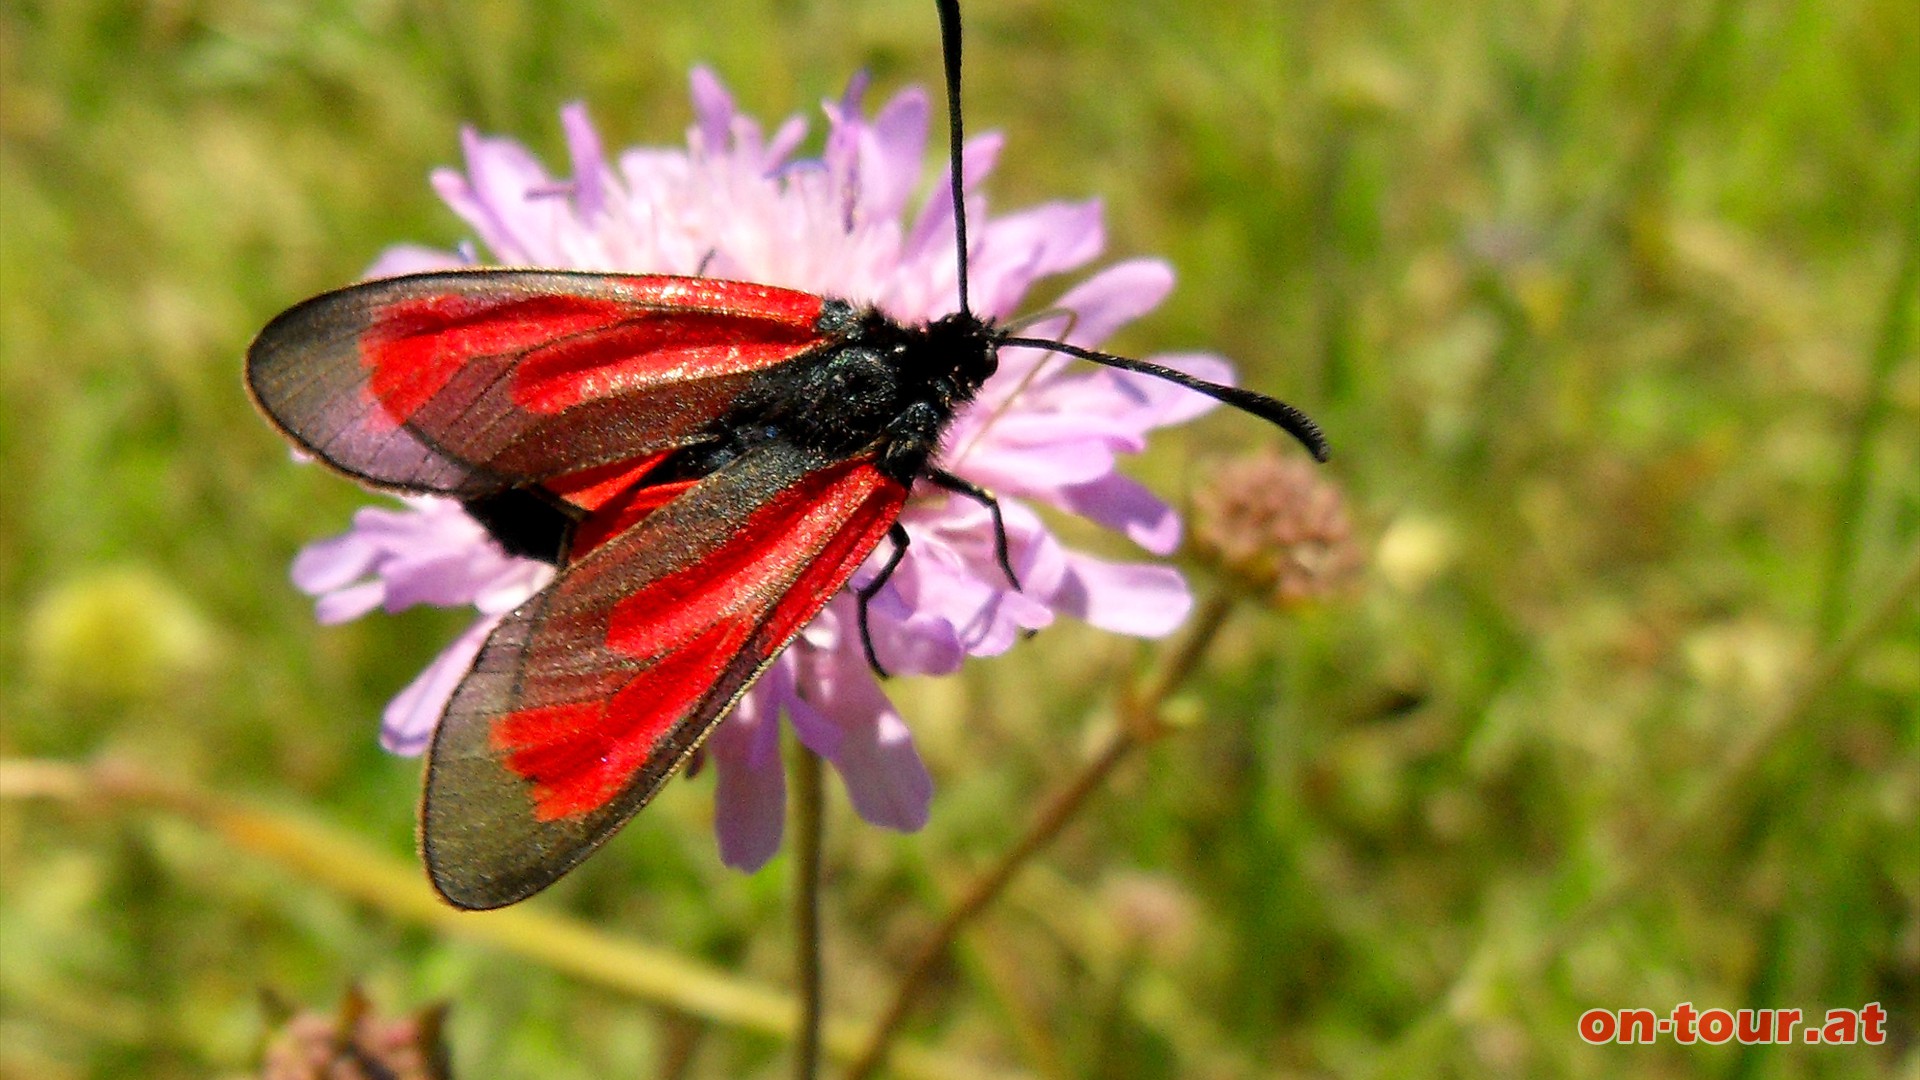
{"type": "Point", "coordinates": [648, 353]}
{"type": "Point", "coordinates": [624, 512]}
{"type": "Point", "coordinates": [580, 756]}
{"type": "Point", "coordinates": [591, 489]}
{"type": "Point", "coordinates": [414, 346]}
{"type": "Point", "coordinates": [686, 628]}
{"type": "Point", "coordinates": [468, 382]}
{"type": "Point", "coordinates": [569, 348]}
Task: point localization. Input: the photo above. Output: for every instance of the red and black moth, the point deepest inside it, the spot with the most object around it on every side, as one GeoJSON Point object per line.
{"type": "Point", "coordinates": [708, 462]}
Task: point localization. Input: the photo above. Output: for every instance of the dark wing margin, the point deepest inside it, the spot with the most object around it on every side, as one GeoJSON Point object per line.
{"type": "Point", "coordinates": [467, 382]}
{"type": "Point", "coordinates": [589, 696]}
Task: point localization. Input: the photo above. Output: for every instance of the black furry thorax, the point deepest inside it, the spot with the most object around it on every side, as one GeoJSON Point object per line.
{"type": "Point", "coordinates": [877, 387]}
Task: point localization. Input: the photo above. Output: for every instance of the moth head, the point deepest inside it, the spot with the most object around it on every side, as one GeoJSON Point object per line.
{"type": "Point", "coordinates": [966, 347]}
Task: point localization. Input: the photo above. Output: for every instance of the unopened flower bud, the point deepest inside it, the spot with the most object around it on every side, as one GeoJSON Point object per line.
{"type": "Point", "coordinates": [355, 1044]}
{"type": "Point", "coordinates": [1277, 524]}
{"type": "Point", "coordinates": [1153, 913]}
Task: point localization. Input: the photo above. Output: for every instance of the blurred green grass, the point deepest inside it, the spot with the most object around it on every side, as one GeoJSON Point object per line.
{"type": "Point", "coordinates": [1588, 297]}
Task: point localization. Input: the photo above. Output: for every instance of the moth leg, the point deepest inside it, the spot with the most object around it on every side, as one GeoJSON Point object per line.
{"type": "Point", "coordinates": [961, 486]}
{"type": "Point", "coordinates": [706, 261]}
{"type": "Point", "coordinates": [897, 534]}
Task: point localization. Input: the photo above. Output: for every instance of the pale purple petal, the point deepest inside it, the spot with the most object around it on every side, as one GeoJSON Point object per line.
{"type": "Point", "coordinates": [1039, 557]}
{"type": "Point", "coordinates": [589, 160]}
{"type": "Point", "coordinates": [746, 144]}
{"type": "Point", "coordinates": [348, 603]}
{"type": "Point", "coordinates": [712, 109]}
{"type": "Point", "coordinates": [413, 259]}
{"type": "Point", "coordinates": [988, 620]}
{"type": "Point", "coordinates": [1106, 426]}
{"type": "Point", "coordinates": [933, 230]}
{"type": "Point", "coordinates": [890, 156]}
{"type": "Point", "coordinates": [333, 563]}
{"type": "Point", "coordinates": [1120, 502]}
{"type": "Point", "coordinates": [1017, 250]}
{"type": "Point", "coordinates": [750, 787]}
{"type": "Point", "coordinates": [1140, 599]}
{"type": "Point", "coordinates": [407, 725]}
{"type": "Point", "coordinates": [817, 730]}
{"type": "Point", "coordinates": [824, 632]}
{"type": "Point", "coordinates": [1115, 297]}
{"type": "Point", "coordinates": [454, 190]}
{"type": "Point", "coordinates": [886, 781]}
{"type": "Point", "coordinates": [952, 573]}
{"type": "Point", "coordinates": [420, 523]}
{"type": "Point", "coordinates": [786, 139]}
{"type": "Point", "coordinates": [841, 157]}
{"type": "Point", "coordinates": [1048, 466]}
{"type": "Point", "coordinates": [913, 642]}
{"type": "Point", "coordinates": [442, 579]}
{"type": "Point", "coordinates": [506, 195]}
{"type": "Point", "coordinates": [428, 552]}
{"type": "Point", "coordinates": [511, 585]}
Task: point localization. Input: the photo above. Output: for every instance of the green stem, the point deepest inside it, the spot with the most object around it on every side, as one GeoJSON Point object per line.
{"type": "Point", "coordinates": [1647, 160]}
{"type": "Point", "coordinates": [397, 889]}
{"type": "Point", "coordinates": [809, 815]}
{"type": "Point", "coordinates": [1850, 503]}
{"type": "Point", "coordinates": [1141, 722]}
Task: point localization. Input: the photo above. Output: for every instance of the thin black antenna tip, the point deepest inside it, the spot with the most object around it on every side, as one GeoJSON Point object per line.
{"type": "Point", "coordinates": [956, 137]}
{"type": "Point", "coordinates": [1276, 412]}
{"type": "Point", "coordinates": [1311, 437]}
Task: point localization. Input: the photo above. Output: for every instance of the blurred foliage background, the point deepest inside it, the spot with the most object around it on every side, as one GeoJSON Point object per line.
{"type": "Point", "coordinates": [1609, 310]}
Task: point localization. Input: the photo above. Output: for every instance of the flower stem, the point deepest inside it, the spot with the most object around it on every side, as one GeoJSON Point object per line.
{"type": "Point", "coordinates": [1141, 723]}
{"type": "Point", "coordinates": [809, 814]}
{"type": "Point", "coordinates": [348, 868]}
{"type": "Point", "coordinates": [1178, 668]}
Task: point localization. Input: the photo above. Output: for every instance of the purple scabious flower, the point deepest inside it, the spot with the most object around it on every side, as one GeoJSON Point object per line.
{"type": "Point", "coordinates": [738, 204]}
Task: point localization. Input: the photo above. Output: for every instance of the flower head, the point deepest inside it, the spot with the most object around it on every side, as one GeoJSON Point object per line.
{"type": "Point", "coordinates": [356, 1042]}
{"type": "Point", "coordinates": [1279, 527]}
{"type": "Point", "coordinates": [737, 203]}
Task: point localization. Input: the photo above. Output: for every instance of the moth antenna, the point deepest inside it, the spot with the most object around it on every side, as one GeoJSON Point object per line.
{"type": "Point", "coordinates": [956, 138]}
{"type": "Point", "coordinates": [1274, 411]}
